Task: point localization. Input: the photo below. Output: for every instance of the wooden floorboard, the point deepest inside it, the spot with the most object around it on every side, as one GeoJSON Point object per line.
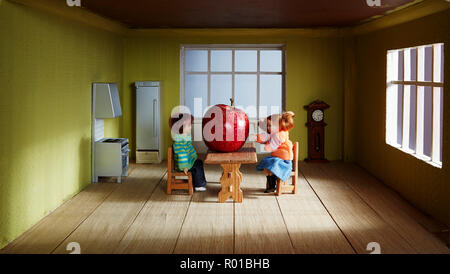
{"type": "Point", "coordinates": [311, 228]}
{"type": "Point", "coordinates": [259, 225]}
{"type": "Point", "coordinates": [104, 229]}
{"type": "Point", "coordinates": [208, 227]}
{"type": "Point", "coordinates": [359, 223]}
{"type": "Point", "coordinates": [339, 208]}
{"type": "Point", "coordinates": [390, 206]}
{"type": "Point", "coordinates": [46, 235]}
{"type": "Point", "coordinates": [158, 225]}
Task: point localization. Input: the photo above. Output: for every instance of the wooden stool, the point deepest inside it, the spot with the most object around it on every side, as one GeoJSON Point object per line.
{"type": "Point", "coordinates": [172, 182]}
{"type": "Point", "coordinates": [283, 186]}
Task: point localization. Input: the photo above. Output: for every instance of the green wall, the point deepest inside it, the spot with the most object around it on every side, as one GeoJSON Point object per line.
{"type": "Point", "coordinates": [47, 65]}
{"type": "Point", "coordinates": [425, 186]}
{"type": "Point", "coordinates": [314, 70]}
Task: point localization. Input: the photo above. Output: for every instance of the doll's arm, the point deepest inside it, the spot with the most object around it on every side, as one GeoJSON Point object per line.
{"type": "Point", "coordinates": [272, 143]}
{"type": "Point", "coordinates": [262, 138]}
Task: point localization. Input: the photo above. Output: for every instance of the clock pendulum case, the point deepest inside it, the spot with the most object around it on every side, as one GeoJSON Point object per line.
{"type": "Point", "coordinates": [316, 131]}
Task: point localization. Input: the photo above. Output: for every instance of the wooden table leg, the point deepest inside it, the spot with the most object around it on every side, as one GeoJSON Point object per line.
{"type": "Point", "coordinates": [231, 181]}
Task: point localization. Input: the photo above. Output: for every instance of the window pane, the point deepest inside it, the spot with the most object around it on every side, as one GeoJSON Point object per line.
{"type": "Point", "coordinates": [409, 117]}
{"type": "Point", "coordinates": [245, 60]}
{"type": "Point", "coordinates": [424, 120]}
{"type": "Point", "coordinates": [196, 91]}
{"type": "Point", "coordinates": [196, 60]}
{"type": "Point", "coordinates": [410, 59]}
{"type": "Point", "coordinates": [441, 121]}
{"type": "Point", "coordinates": [399, 114]}
{"type": "Point", "coordinates": [438, 62]}
{"type": "Point", "coordinates": [400, 65]}
{"type": "Point", "coordinates": [412, 102]}
{"type": "Point", "coordinates": [437, 124]}
{"type": "Point", "coordinates": [420, 99]}
{"type": "Point", "coordinates": [394, 65]}
{"type": "Point", "coordinates": [221, 89]}
{"type": "Point", "coordinates": [406, 114]}
{"type": "Point", "coordinates": [393, 115]}
{"type": "Point", "coordinates": [271, 60]}
{"type": "Point", "coordinates": [424, 66]}
{"type": "Point", "coordinates": [428, 121]}
{"type": "Point", "coordinates": [270, 95]}
{"type": "Point", "coordinates": [221, 60]}
{"type": "Point", "coordinates": [245, 93]}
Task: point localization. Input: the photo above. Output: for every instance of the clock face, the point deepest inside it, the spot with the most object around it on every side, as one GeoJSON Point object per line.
{"type": "Point", "coordinates": [317, 115]}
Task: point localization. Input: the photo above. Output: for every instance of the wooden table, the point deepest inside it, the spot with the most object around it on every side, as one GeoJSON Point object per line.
{"type": "Point", "coordinates": [231, 176]}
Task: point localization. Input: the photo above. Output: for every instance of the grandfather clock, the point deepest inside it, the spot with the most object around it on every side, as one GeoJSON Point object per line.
{"type": "Point", "coordinates": [316, 131]}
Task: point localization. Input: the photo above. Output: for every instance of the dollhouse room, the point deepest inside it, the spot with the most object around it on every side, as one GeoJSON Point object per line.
{"type": "Point", "coordinates": [224, 127]}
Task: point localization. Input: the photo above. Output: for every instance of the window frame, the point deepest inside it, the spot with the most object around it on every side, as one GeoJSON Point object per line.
{"type": "Point", "coordinates": [233, 73]}
{"type": "Point", "coordinates": [423, 84]}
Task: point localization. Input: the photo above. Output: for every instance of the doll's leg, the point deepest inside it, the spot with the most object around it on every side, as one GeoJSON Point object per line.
{"type": "Point", "coordinates": [198, 174]}
{"type": "Point", "coordinates": [272, 184]}
{"type": "Point", "coordinates": [268, 173]}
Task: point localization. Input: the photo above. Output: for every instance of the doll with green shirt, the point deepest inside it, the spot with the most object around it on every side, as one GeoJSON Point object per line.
{"type": "Point", "coordinates": [185, 156]}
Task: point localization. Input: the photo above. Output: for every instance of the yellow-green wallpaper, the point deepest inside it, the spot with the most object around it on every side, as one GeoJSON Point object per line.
{"type": "Point", "coordinates": [47, 65]}
{"type": "Point", "coordinates": [314, 70]}
{"type": "Point", "coordinates": [425, 186]}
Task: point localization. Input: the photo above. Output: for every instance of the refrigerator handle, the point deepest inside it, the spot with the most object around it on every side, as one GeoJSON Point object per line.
{"type": "Point", "coordinates": [154, 117]}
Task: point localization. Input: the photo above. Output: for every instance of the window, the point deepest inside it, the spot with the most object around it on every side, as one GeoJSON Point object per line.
{"type": "Point", "coordinates": [253, 75]}
{"type": "Point", "coordinates": [414, 101]}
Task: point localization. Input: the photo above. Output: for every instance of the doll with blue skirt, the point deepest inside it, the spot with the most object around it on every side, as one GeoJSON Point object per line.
{"type": "Point", "coordinates": [276, 140]}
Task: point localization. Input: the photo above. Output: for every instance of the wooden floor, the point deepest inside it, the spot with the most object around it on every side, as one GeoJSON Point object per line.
{"type": "Point", "coordinates": [339, 208]}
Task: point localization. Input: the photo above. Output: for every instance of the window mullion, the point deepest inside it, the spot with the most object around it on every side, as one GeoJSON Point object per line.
{"type": "Point", "coordinates": [184, 78]}
{"type": "Point", "coordinates": [417, 101]}
{"type": "Point", "coordinates": [258, 81]}
{"type": "Point", "coordinates": [432, 104]}
{"type": "Point", "coordinates": [209, 78]}
{"type": "Point", "coordinates": [283, 79]}
{"type": "Point", "coordinates": [403, 115]}
{"type": "Point", "coordinates": [403, 97]}
{"type": "Point", "coordinates": [232, 74]}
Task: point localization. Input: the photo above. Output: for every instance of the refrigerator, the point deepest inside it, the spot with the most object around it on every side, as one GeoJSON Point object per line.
{"type": "Point", "coordinates": [148, 119]}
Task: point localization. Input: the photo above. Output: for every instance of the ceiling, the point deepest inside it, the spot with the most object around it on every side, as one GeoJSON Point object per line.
{"type": "Point", "coordinates": [238, 13]}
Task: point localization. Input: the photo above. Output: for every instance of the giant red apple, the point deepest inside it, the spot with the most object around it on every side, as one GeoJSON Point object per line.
{"type": "Point", "coordinates": [225, 128]}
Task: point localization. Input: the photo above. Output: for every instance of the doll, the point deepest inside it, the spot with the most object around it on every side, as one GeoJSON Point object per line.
{"type": "Point", "coordinates": [185, 156]}
{"type": "Point", "coordinates": [276, 140]}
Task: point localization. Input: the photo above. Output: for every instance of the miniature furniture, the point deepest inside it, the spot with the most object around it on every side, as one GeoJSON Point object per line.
{"type": "Point", "coordinates": [283, 186]}
{"type": "Point", "coordinates": [172, 181]}
{"type": "Point", "coordinates": [316, 132]}
{"type": "Point", "coordinates": [148, 122]}
{"type": "Point", "coordinates": [231, 176]}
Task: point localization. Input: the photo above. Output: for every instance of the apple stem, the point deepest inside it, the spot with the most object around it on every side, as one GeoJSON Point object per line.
{"type": "Point", "coordinates": [232, 102]}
